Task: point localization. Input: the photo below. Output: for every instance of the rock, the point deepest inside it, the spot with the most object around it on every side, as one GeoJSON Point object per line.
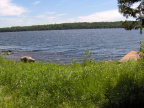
{"type": "Point", "coordinates": [27, 59]}
{"type": "Point", "coordinates": [133, 55]}
{"type": "Point", "coordinates": [8, 52]}
{"type": "Point", "coordinates": [108, 61]}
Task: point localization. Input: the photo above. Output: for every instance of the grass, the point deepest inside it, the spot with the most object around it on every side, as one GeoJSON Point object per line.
{"type": "Point", "coordinates": [93, 85]}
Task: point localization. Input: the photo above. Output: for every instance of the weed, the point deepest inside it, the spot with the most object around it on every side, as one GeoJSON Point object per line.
{"type": "Point", "coordinates": [86, 58]}
{"type": "Point", "coordinates": [141, 49]}
{"type": "Point", "coordinates": [95, 84]}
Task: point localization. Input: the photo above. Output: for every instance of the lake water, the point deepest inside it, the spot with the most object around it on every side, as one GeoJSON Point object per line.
{"type": "Point", "coordinates": [61, 46]}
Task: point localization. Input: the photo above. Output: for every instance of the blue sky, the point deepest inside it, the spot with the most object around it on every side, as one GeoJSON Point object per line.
{"type": "Point", "coordinates": [38, 12]}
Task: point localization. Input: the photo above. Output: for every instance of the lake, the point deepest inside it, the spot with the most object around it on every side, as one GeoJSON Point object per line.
{"type": "Point", "coordinates": [62, 46]}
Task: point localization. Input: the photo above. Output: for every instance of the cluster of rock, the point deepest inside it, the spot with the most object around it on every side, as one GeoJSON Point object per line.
{"type": "Point", "coordinates": [8, 52]}
{"type": "Point", "coordinates": [23, 59]}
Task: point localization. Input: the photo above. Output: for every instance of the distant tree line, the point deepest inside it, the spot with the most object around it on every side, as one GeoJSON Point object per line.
{"type": "Point", "coordinates": [64, 26]}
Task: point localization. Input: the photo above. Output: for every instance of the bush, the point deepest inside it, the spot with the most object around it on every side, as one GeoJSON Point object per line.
{"type": "Point", "coordinates": [128, 91]}
{"type": "Point", "coordinates": [93, 85]}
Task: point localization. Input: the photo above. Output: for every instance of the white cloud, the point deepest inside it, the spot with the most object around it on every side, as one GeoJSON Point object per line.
{"type": "Point", "coordinates": [37, 2]}
{"type": "Point", "coordinates": [50, 13]}
{"type": "Point", "coordinates": [7, 8]}
{"type": "Point", "coordinates": [136, 5]}
{"type": "Point", "coordinates": [50, 16]}
{"type": "Point", "coordinates": [46, 14]}
{"type": "Point", "coordinates": [45, 17]}
{"type": "Point", "coordinates": [41, 16]}
{"type": "Point", "coordinates": [19, 21]}
{"type": "Point", "coordinates": [7, 22]}
{"type": "Point", "coordinates": [110, 15]}
{"type": "Point", "coordinates": [61, 15]}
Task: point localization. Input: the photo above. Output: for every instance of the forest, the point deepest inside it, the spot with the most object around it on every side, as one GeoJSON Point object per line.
{"type": "Point", "coordinates": [64, 26]}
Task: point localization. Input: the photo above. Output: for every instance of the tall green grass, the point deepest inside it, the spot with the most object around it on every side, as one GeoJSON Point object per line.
{"type": "Point", "coordinates": [93, 85]}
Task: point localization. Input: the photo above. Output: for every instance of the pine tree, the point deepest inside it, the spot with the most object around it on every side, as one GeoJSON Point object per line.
{"type": "Point", "coordinates": [127, 9]}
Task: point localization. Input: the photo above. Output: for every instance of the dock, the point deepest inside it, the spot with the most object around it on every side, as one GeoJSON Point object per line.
{"type": "Point", "coordinates": [132, 55]}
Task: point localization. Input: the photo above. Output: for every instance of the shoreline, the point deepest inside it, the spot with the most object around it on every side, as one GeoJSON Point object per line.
{"type": "Point", "coordinates": [15, 56]}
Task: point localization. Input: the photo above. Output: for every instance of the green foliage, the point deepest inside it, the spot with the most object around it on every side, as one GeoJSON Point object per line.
{"type": "Point", "coordinates": [129, 25]}
{"type": "Point", "coordinates": [86, 58]}
{"type": "Point", "coordinates": [125, 7]}
{"type": "Point", "coordinates": [128, 91]}
{"type": "Point", "coordinates": [141, 49]}
{"type": "Point", "coordinates": [64, 26]}
{"type": "Point", "coordinates": [130, 2]}
{"type": "Point", "coordinates": [98, 84]}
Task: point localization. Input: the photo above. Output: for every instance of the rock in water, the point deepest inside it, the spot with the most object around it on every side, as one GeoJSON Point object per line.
{"type": "Point", "coordinates": [27, 59]}
{"type": "Point", "coordinates": [7, 52]}
{"type": "Point", "coordinates": [131, 55]}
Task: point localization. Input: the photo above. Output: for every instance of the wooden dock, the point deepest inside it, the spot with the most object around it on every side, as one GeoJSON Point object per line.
{"type": "Point", "coordinates": [131, 55]}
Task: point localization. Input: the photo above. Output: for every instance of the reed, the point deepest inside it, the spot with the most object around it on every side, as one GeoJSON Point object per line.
{"type": "Point", "coordinates": [95, 85]}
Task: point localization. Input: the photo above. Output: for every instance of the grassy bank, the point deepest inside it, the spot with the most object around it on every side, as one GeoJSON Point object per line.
{"type": "Point", "coordinates": [92, 85]}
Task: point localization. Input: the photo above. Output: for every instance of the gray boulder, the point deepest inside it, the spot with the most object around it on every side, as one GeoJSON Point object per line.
{"type": "Point", "coordinates": [7, 52]}
{"type": "Point", "coordinates": [27, 59]}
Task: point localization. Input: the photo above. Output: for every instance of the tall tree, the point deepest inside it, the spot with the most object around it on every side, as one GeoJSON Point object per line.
{"type": "Point", "coordinates": [127, 8]}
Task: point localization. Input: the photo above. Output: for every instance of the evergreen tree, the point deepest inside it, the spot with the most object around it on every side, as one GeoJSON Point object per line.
{"type": "Point", "coordinates": [126, 7]}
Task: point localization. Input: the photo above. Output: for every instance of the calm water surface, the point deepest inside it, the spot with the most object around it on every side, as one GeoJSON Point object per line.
{"type": "Point", "coordinates": [61, 46]}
